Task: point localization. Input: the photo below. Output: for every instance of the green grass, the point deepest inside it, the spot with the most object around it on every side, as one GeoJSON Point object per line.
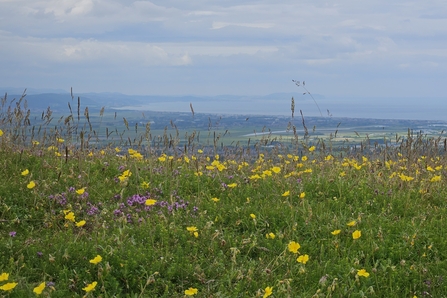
{"type": "Point", "coordinates": [394, 196]}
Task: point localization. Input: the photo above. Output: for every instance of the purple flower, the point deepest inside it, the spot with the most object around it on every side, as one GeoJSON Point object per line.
{"type": "Point", "coordinates": [39, 254]}
{"type": "Point", "coordinates": [12, 234]}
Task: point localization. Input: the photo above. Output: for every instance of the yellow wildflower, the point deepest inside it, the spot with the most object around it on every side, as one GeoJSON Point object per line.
{"type": "Point", "coordinates": [191, 292]}
{"type": "Point", "coordinates": [90, 287]}
{"type": "Point", "coordinates": [192, 229]}
{"type": "Point", "coordinates": [286, 193]}
{"type": "Point", "coordinates": [25, 172]}
{"type": "Point", "coordinates": [4, 276]}
{"type": "Point", "coordinates": [356, 234]}
{"type": "Point", "coordinates": [81, 223]}
{"type": "Point", "coordinates": [276, 170]}
{"type": "Point", "coordinates": [80, 191]}
{"type": "Point", "coordinates": [150, 202]}
{"type": "Point", "coordinates": [96, 259]}
{"type": "Point", "coordinates": [362, 272]}
{"type": "Point", "coordinates": [435, 178]}
{"type": "Point", "coordinates": [303, 259]}
{"type": "Point", "coordinates": [267, 292]}
{"type": "Point", "coordinates": [9, 286]}
{"type": "Point", "coordinates": [39, 289]}
{"type": "Point", "coordinates": [351, 223]}
{"type": "Point", "coordinates": [293, 247]}
{"type": "Point", "coordinates": [270, 236]}
{"type": "Point", "coordinates": [335, 232]}
{"type": "Point", "coordinates": [31, 185]}
{"type": "Point", "coordinates": [70, 216]}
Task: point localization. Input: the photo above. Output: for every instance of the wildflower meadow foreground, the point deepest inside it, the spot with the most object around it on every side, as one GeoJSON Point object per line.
{"type": "Point", "coordinates": [127, 221]}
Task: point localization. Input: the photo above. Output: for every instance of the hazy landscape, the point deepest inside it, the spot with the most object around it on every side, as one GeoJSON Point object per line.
{"type": "Point", "coordinates": [223, 149]}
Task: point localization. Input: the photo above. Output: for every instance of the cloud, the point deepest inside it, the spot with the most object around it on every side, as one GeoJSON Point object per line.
{"type": "Point", "coordinates": [248, 46]}
{"type": "Point", "coordinates": [219, 25]}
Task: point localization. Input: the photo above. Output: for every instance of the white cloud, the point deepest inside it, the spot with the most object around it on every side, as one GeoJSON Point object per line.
{"type": "Point", "coordinates": [245, 41]}
{"type": "Point", "coordinates": [220, 25]}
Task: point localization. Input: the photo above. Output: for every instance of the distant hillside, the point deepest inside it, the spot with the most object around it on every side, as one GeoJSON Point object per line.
{"type": "Point", "coordinates": [57, 102]}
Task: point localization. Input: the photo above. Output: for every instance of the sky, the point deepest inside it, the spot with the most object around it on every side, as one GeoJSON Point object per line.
{"type": "Point", "coordinates": [198, 47]}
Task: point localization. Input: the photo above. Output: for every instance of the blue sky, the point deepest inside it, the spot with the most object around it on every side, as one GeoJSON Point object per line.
{"type": "Point", "coordinates": [171, 47]}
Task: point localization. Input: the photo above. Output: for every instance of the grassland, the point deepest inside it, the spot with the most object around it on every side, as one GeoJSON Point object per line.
{"type": "Point", "coordinates": [167, 215]}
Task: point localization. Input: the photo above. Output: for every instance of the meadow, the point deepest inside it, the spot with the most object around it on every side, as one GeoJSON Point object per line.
{"type": "Point", "coordinates": [167, 216]}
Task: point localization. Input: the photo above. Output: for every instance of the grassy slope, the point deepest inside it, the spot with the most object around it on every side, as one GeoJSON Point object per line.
{"type": "Point", "coordinates": [247, 205]}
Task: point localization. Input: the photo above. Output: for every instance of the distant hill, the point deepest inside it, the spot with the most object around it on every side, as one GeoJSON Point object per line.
{"type": "Point", "coordinates": [57, 102]}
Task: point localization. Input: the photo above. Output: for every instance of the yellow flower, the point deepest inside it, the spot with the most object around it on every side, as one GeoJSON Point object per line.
{"type": "Point", "coordinates": [362, 272]}
{"type": "Point", "coordinates": [39, 289]}
{"type": "Point", "coordinates": [293, 247]}
{"type": "Point", "coordinates": [335, 232]}
{"type": "Point", "coordinates": [276, 170]}
{"type": "Point", "coordinates": [70, 216]}
{"type": "Point", "coordinates": [4, 276]}
{"type": "Point", "coordinates": [191, 291]}
{"type": "Point", "coordinates": [435, 178]}
{"type": "Point", "coordinates": [1, 132]}
{"type": "Point", "coordinates": [270, 236]}
{"type": "Point", "coordinates": [232, 185]}
{"type": "Point", "coordinates": [200, 151]}
{"type": "Point", "coordinates": [356, 234]}
{"type": "Point", "coordinates": [35, 143]}
{"type": "Point", "coordinates": [9, 286]}
{"type": "Point", "coordinates": [150, 202]}
{"type": "Point", "coordinates": [80, 191]}
{"type": "Point", "coordinates": [90, 154]}
{"type": "Point", "coordinates": [145, 185]}
{"type": "Point", "coordinates": [24, 173]}
{"type": "Point", "coordinates": [303, 259]}
{"type": "Point", "coordinates": [162, 158]}
{"type": "Point", "coordinates": [117, 150]}
{"type": "Point", "coordinates": [286, 193]}
{"type": "Point", "coordinates": [351, 223]}
{"type": "Point", "coordinates": [311, 149]}
{"type": "Point", "coordinates": [252, 216]}
{"type": "Point", "coordinates": [404, 177]}
{"type": "Point", "coordinates": [267, 292]}
{"type": "Point", "coordinates": [215, 200]}
{"type": "Point", "coordinates": [192, 229]}
{"type": "Point", "coordinates": [304, 158]}
{"type": "Point", "coordinates": [302, 195]}
{"type": "Point", "coordinates": [96, 260]}
{"type": "Point", "coordinates": [196, 234]}
{"type": "Point", "coordinates": [59, 140]}
{"type": "Point", "coordinates": [90, 287]}
{"type": "Point", "coordinates": [31, 185]}
{"type": "Point", "coordinates": [81, 223]}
